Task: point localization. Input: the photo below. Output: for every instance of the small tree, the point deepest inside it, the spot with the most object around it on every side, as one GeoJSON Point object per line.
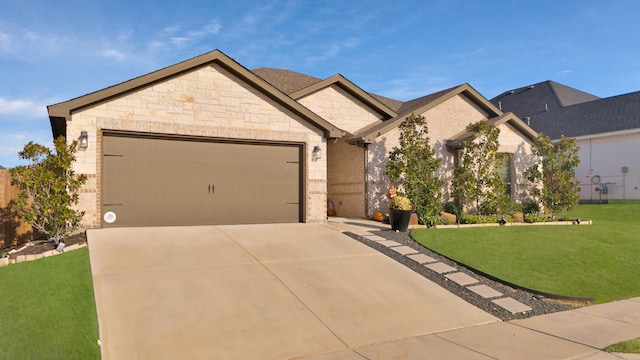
{"type": "Point", "coordinates": [555, 172]}
{"type": "Point", "coordinates": [476, 179]}
{"type": "Point", "coordinates": [413, 166]}
{"type": "Point", "coordinates": [48, 188]}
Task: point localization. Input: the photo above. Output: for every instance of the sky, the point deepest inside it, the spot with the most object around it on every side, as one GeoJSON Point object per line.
{"type": "Point", "coordinates": [53, 51]}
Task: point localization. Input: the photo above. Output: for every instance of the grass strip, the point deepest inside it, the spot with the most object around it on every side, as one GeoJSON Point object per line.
{"type": "Point", "coordinates": [598, 260]}
{"type": "Point", "coordinates": [47, 309]}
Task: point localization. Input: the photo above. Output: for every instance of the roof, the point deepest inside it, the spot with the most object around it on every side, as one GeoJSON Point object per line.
{"type": "Point", "coordinates": [613, 114]}
{"type": "Point", "coordinates": [538, 98]}
{"type": "Point", "coordinates": [457, 141]}
{"type": "Point", "coordinates": [423, 104]}
{"type": "Point", "coordinates": [60, 113]}
{"type": "Point", "coordinates": [299, 86]}
{"type": "Point", "coordinates": [286, 81]}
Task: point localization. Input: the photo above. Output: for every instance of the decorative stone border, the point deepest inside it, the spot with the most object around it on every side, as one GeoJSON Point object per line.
{"type": "Point", "coordinates": [549, 223]}
{"type": "Point", "coordinates": [24, 258]}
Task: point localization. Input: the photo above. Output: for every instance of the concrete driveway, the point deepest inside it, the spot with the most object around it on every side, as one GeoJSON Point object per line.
{"type": "Point", "coordinates": [262, 292]}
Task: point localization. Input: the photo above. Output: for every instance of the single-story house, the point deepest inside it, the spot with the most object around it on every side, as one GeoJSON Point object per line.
{"type": "Point", "coordinates": [606, 129]}
{"type": "Point", "coordinates": [208, 141]}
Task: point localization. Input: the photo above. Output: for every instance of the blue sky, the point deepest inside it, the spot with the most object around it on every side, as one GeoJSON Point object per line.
{"type": "Point", "coordinates": [52, 51]}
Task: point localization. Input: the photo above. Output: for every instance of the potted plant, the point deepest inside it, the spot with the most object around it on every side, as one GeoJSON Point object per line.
{"type": "Point", "coordinates": [400, 208]}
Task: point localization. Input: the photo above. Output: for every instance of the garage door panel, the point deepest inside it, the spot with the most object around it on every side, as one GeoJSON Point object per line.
{"type": "Point", "coordinates": [149, 181]}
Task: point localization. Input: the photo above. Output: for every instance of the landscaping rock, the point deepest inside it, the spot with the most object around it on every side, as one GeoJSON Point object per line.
{"type": "Point", "coordinates": [448, 217]}
{"type": "Point", "coordinates": [4, 261]}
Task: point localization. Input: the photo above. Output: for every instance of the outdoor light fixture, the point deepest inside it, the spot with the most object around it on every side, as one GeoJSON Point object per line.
{"type": "Point", "coordinates": [83, 140]}
{"type": "Point", "coordinates": [317, 153]}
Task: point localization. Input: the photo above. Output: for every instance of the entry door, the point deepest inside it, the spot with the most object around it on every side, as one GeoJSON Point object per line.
{"type": "Point", "coordinates": [150, 181]}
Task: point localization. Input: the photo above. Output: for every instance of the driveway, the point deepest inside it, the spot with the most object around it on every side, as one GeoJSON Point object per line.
{"type": "Point", "coordinates": [277, 291]}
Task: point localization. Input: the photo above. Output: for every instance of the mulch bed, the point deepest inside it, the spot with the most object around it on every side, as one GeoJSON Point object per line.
{"type": "Point", "coordinates": [41, 246]}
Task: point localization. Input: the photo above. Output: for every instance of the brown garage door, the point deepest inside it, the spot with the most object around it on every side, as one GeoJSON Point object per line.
{"type": "Point", "coordinates": [150, 181]}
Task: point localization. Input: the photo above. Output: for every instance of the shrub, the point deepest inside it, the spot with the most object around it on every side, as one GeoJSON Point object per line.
{"type": "Point", "coordinates": [530, 207]}
{"type": "Point", "coordinates": [451, 208]}
{"type": "Point", "coordinates": [534, 218]}
{"type": "Point", "coordinates": [400, 202]}
{"type": "Point", "coordinates": [480, 219]}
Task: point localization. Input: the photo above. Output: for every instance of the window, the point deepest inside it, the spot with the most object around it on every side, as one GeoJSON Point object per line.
{"type": "Point", "coordinates": [505, 172]}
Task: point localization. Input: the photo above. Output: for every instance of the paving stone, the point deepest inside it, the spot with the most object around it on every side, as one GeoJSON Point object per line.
{"type": "Point", "coordinates": [373, 237]}
{"type": "Point", "coordinates": [4, 261]}
{"type": "Point", "coordinates": [364, 233]}
{"type": "Point", "coordinates": [485, 291]}
{"type": "Point", "coordinates": [404, 250]}
{"type": "Point", "coordinates": [422, 258]}
{"type": "Point", "coordinates": [461, 278]}
{"type": "Point", "coordinates": [389, 243]}
{"type": "Point", "coordinates": [440, 268]}
{"type": "Point", "coordinates": [511, 305]}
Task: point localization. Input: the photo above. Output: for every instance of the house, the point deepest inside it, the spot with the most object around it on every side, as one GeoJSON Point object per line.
{"type": "Point", "coordinates": [606, 129]}
{"type": "Point", "coordinates": [207, 141]}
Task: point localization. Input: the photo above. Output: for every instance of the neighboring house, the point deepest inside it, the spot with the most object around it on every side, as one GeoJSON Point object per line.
{"type": "Point", "coordinates": [607, 131]}
{"type": "Point", "coordinates": [207, 141]}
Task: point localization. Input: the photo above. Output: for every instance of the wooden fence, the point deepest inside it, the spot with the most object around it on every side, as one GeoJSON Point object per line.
{"type": "Point", "coordinates": [13, 231]}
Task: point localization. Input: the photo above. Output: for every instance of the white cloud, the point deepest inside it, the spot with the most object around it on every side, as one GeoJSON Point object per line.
{"type": "Point", "coordinates": [5, 41]}
{"type": "Point", "coordinates": [335, 49]}
{"type": "Point", "coordinates": [114, 54]}
{"type": "Point", "coordinates": [23, 108]}
{"type": "Point", "coordinates": [174, 35]}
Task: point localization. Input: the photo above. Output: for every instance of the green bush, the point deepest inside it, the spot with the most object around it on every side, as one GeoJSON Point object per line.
{"type": "Point", "coordinates": [400, 203]}
{"type": "Point", "coordinates": [451, 208]}
{"type": "Point", "coordinates": [534, 218]}
{"type": "Point", "coordinates": [480, 219]}
{"type": "Point", "coordinates": [530, 207]}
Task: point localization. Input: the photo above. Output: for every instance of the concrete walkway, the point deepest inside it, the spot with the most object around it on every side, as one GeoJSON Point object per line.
{"type": "Point", "coordinates": [307, 291]}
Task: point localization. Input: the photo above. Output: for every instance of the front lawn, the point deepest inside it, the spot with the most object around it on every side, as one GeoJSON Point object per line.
{"type": "Point", "coordinates": [47, 309]}
{"type": "Point", "coordinates": [600, 261]}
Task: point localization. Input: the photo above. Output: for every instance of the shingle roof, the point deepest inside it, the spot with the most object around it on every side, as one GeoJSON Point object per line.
{"type": "Point", "coordinates": [423, 104]}
{"type": "Point", "coordinates": [299, 85]}
{"type": "Point", "coordinates": [539, 98]}
{"type": "Point", "coordinates": [617, 113]}
{"type": "Point", "coordinates": [286, 81]}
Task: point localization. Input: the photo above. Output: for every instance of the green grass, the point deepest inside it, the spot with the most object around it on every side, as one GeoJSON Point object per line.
{"type": "Point", "coordinates": [599, 261]}
{"type": "Point", "coordinates": [47, 309]}
{"type": "Point", "coordinates": [628, 347]}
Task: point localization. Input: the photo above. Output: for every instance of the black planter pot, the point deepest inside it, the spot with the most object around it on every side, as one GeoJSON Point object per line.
{"type": "Point", "coordinates": [399, 219]}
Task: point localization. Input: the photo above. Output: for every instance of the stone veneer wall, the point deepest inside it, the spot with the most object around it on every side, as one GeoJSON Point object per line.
{"type": "Point", "coordinates": [208, 102]}
{"type": "Point", "coordinates": [444, 121]}
{"type": "Point", "coordinates": [346, 163]}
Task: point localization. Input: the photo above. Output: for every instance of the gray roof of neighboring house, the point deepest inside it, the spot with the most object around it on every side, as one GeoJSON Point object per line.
{"type": "Point", "coordinates": [555, 110]}
{"type": "Point", "coordinates": [617, 113]}
{"type": "Point", "coordinates": [538, 98]}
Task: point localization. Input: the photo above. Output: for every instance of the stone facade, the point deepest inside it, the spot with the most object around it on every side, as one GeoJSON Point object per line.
{"type": "Point", "coordinates": [444, 122]}
{"type": "Point", "coordinates": [345, 163]}
{"type": "Point", "coordinates": [209, 102]}
{"type": "Point", "coordinates": [213, 97]}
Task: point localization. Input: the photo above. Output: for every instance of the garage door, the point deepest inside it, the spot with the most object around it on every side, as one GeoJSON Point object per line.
{"type": "Point", "coordinates": [151, 181]}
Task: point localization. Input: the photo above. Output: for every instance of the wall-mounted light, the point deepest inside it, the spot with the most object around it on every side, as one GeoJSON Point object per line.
{"type": "Point", "coordinates": [83, 140]}
{"type": "Point", "coordinates": [317, 153]}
